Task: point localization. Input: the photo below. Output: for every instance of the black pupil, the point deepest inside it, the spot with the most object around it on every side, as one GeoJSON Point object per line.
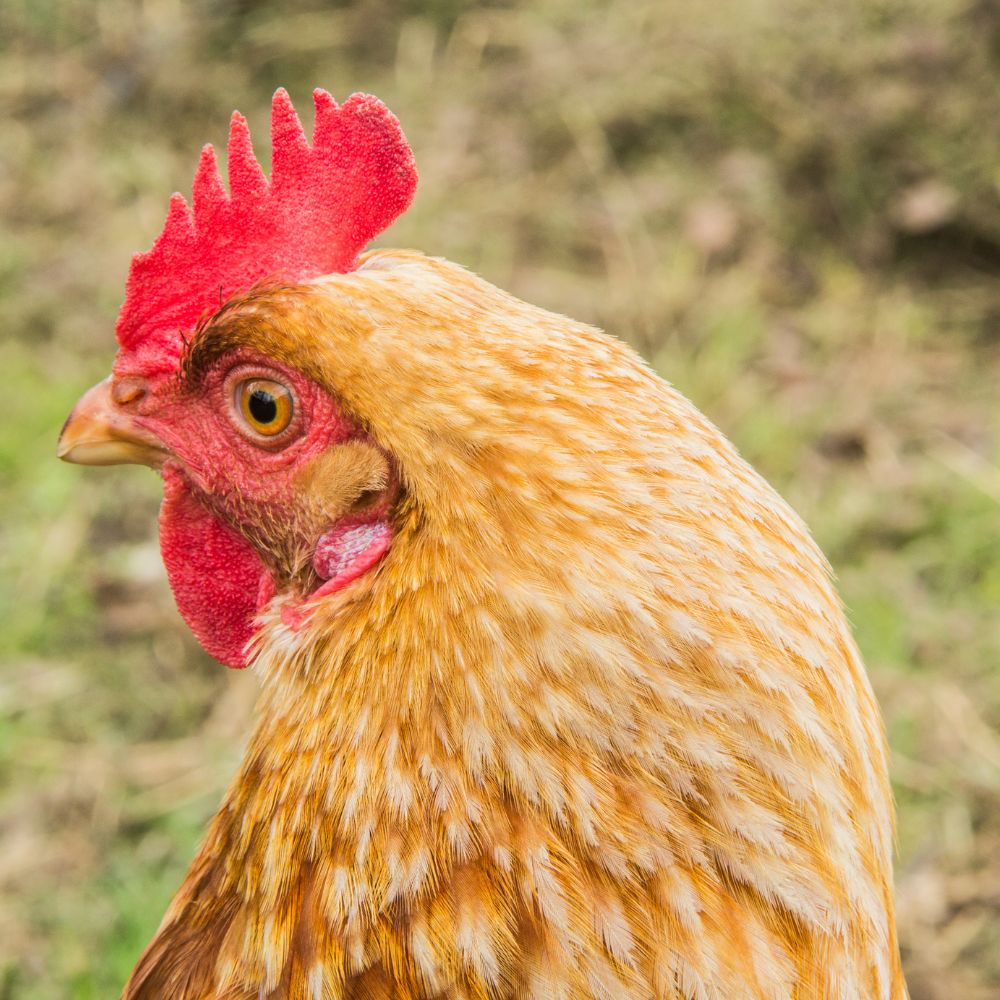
{"type": "Point", "coordinates": [263, 406]}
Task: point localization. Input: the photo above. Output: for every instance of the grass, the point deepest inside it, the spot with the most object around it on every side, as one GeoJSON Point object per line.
{"type": "Point", "coordinates": [792, 208]}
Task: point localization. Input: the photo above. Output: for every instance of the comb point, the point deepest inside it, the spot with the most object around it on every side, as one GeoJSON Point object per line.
{"type": "Point", "coordinates": [289, 146]}
{"type": "Point", "coordinates": [323, 103]}
{"type": "Point", "coordinates": [285, 125]}
{"type": "Point", "coordinates": [327, 115]}
{"type": "Point", "coordinates": [245, 175]}
{"type": "Point", "coordinates": [179, 226]}
{"type": "Point", "coordinates": [207, 191]}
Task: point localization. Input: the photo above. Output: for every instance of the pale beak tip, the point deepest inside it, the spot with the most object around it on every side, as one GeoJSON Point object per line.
{"type": "Point", "coordinates": [97, 432]}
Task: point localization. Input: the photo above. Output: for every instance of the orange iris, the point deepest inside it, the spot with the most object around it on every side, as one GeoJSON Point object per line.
{"type": "Point", "coordinates": [265, 406]}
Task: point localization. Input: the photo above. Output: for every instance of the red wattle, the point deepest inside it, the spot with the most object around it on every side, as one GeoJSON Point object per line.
{"type": "Point", "coordinates": [217, 578]}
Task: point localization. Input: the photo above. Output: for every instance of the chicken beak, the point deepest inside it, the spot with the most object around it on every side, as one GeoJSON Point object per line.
{"type": "Point", "coordinates": [99, 431]}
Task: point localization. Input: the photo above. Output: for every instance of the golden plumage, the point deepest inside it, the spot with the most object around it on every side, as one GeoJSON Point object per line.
{"type": "Point", "coordinates": [594, 728]}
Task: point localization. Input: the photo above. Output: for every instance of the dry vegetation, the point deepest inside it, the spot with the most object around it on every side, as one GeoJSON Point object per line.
{"type": "Point", "coordinates": [793, 208]}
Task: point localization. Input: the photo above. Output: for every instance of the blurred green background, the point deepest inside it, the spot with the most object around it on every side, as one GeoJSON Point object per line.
{"type": "Point", "coordinates": [792, 208]}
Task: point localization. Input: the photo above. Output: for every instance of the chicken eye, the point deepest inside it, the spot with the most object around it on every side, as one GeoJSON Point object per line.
{"type": "Point", "coordinates": [265, 406]}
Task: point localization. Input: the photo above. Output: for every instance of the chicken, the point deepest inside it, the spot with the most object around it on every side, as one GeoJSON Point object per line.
{"type": "Point", "coordinates": [557, 698]}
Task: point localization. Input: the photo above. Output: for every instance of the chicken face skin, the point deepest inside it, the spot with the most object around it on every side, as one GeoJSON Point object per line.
{"type": "Point", "coordinates": [246, 514]}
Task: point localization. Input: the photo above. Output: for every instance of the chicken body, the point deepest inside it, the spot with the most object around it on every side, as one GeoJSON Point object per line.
{"type": "Point", "coordinates": [593, 727]}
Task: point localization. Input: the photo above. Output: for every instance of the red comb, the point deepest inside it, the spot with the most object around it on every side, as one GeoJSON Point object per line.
{"type": "Point", "coordinates": [321, 207]}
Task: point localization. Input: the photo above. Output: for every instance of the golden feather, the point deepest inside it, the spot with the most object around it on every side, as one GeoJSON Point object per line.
{"type": "Point", "coordinates": [595, 727]}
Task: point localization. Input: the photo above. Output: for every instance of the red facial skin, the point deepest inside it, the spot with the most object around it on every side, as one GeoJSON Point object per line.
{"type": "Point", "coordinates": [324, 201]}
{"type": "Point", "coordinates": [200, 427]}
{"type": "Point", "coordinates": [223, 482]}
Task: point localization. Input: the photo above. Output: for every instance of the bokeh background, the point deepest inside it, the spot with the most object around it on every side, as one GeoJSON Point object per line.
{"type": "Point", "coordinates": [791, 208]}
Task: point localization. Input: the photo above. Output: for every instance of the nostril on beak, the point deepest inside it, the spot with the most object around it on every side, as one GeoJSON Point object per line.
{"type": "Point", "coordinates": [127, 390]}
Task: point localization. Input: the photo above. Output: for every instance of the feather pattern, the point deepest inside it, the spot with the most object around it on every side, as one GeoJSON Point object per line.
{"type": "Point", "coordinates": [594, 728]}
